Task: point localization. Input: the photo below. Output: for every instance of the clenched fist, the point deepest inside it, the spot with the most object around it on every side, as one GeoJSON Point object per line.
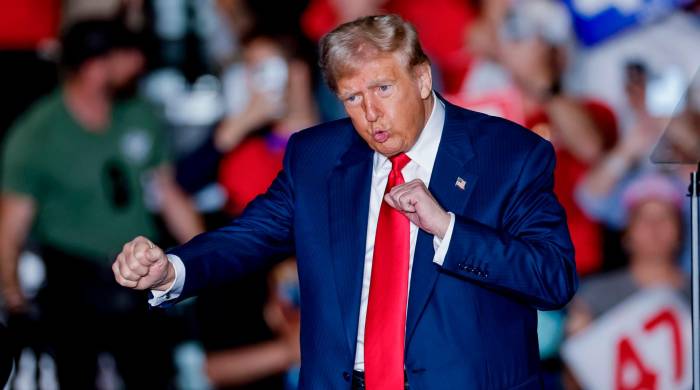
{"type": "Point", "coordinates": [417, 203]}
{"type": "Point", "coordinates": [142, 265]}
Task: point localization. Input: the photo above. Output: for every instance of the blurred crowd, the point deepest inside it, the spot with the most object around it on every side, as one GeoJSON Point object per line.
{"type": "Point", "coordinates": [163, 118]}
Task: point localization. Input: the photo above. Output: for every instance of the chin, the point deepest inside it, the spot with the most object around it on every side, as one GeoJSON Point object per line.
{"type": "Point", "coordinates": [389, 152]}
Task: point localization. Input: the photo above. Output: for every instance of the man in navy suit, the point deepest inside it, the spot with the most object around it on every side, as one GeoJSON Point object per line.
{"type": "Point", "coordinates": [426, 235]}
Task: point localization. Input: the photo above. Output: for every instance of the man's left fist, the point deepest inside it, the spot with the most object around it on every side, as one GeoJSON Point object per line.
{"type": "Point", "coordinates": [417, 203]}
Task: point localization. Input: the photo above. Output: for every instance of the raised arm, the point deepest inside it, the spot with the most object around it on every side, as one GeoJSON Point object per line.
{"type": "Point", "coordinates": [262, 235]}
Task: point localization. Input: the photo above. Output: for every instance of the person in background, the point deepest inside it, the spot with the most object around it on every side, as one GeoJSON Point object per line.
{"type": "Point", "coordinates": [600, 191]}
{"type": "Point", "coordinates": [74, 169]}
{"type": "Point", "coordinates": [282, 103]}
{"type": "Point", "coordinates": [272, 91]}
{"type": "Point", "coordinates": [581, 129]}
{"type": "Point", "coordinates": [251, 144]}
{"type": "Point", "coordinates": [652, 240]}
{"type": "Point", "coordinates": [244, 153]}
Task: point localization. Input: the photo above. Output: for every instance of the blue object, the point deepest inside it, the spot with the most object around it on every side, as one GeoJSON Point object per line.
{"type": "Point", "coordinates": [291, 378]}
{"type": "Point", "coordinates": [550, 332]}
{"type": "Point", "coordinates": [598, 20]}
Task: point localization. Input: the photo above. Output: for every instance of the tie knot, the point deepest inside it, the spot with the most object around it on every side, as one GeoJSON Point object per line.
{"type": "Point", "coordinates": [399, 161]}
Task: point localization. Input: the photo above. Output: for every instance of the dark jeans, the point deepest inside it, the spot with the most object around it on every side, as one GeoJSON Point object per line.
{"type": "Point", "coordinates": [87, 313]}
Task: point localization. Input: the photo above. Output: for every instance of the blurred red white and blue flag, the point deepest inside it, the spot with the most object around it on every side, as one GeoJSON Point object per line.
{"type": "Point", "coordinates": [597, 20]}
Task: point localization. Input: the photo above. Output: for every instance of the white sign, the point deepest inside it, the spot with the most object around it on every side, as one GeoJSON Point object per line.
{"type": "Point", "coordinates": [644, 343]}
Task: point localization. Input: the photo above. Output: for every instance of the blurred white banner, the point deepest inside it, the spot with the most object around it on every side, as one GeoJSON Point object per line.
{"type": "Point", "coordinates": [643, 343]}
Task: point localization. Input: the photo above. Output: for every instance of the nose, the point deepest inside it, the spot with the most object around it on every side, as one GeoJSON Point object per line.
{"type": "Point", "coordinates": [372, 110]}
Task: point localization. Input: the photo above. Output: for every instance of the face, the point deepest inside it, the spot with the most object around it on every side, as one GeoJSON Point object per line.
{"type": "Point", "coordinates": [653, 230]}
{"type": "Point", "coordinates": [95, 71]}
{"type": "Point", "coordinates": [387, 103]}
{"type": "Point", "coordinates": [267, 68]}
{"type": "Point", "coordinates": [125, 66]}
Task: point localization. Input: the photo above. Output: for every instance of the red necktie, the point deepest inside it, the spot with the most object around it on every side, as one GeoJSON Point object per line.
{"type": "Point", "coordinates": [385, 325]}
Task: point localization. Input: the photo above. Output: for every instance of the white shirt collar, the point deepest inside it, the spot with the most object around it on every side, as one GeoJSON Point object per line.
{"type": "Point", "coordinates": [425, 149]}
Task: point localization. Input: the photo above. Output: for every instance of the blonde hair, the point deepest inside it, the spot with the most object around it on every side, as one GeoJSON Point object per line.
{"type": "Point", "coordinates": [343, 50]}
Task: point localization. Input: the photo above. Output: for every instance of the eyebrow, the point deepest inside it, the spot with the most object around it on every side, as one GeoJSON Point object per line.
{"type": "Point", "coordinates": [381, 82]}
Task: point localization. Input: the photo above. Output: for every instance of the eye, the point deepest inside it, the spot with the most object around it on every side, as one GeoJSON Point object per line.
{"type": "Point", "coordinates": [352, 100]}
{"type": "Point", "coordinates": [384, 89]}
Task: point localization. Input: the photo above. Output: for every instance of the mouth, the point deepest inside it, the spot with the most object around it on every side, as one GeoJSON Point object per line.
{"type": "Point", "coordinates": [380, 136]}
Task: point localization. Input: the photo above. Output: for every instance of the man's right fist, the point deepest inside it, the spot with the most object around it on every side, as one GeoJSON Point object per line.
{"type": "Point", "coordinates": [141, 265]}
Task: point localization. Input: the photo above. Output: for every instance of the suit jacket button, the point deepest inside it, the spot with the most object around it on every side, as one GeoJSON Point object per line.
{"type": "Point", "coordinates": [346, 376]}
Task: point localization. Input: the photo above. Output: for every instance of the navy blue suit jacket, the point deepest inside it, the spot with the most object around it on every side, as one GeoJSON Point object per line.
{"type": "Point", "coordinates": [472, 322]}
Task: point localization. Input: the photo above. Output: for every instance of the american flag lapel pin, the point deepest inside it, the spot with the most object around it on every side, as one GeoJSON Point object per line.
{"type": "Point", "coordinates": [460, 183]}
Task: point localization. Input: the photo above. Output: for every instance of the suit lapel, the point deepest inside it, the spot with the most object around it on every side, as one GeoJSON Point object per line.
{"type": "Point", "coordinates": [349, 192]}
{"type": "Point", "coordinates": [451, 165]}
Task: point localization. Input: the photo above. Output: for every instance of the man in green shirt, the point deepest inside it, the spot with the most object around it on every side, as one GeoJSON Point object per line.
{"type": "Point", "coordinates": [74, 168]}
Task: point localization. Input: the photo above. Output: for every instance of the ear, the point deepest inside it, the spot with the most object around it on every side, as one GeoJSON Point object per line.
{"type": "Point", "coordinates": [424, 78]}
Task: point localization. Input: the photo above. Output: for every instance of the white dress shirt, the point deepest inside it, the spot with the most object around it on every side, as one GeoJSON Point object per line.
{"type": "Point", "coordinates": [422, 156]}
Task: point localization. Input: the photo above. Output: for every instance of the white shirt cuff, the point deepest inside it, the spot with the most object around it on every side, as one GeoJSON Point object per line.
{"type": "Point", "coordinates": [441, 246]}
{"type": "Point", "coordinates": [176, 288]}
